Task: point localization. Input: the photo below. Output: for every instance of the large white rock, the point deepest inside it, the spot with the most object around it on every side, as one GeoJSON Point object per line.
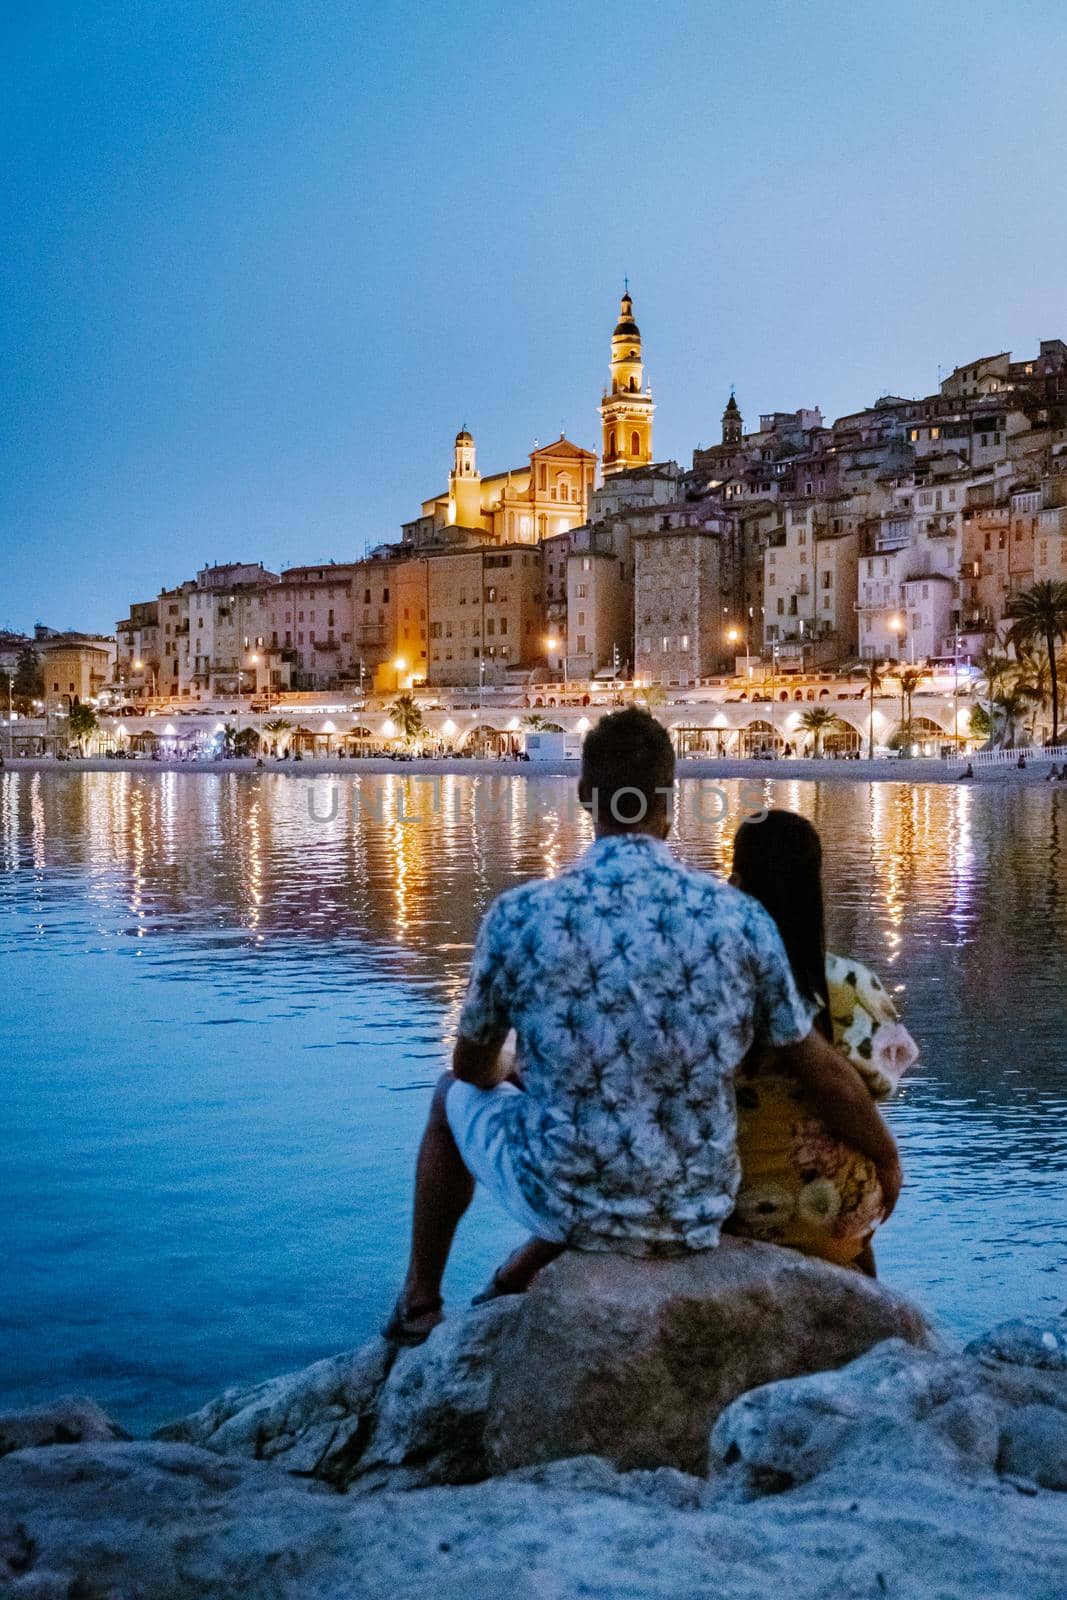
{"type": "Point", "coordinates": [630, 1360]}
{"type": "Point", "coordinates": [633, 1360]}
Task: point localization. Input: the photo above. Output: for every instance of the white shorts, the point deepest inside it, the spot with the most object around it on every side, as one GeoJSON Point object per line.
{"type": "Point", "coordinates": [479, 1126]}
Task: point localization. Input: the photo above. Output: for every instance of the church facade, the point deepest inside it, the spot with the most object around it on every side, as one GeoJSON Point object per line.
{"type": "Point", "coordinates": [550, 493]}
{"type": "Point", "coordinates": [524, 505]}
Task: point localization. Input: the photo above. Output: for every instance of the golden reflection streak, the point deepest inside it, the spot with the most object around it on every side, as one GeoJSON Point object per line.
{"type": "Point", "coordinates": [37, 822]}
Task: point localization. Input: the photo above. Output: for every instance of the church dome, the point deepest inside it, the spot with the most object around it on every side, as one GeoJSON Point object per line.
{"type": "Point", "coordinates": [626, 326]}
{"type": "Point", "coordinates": [463, 437]}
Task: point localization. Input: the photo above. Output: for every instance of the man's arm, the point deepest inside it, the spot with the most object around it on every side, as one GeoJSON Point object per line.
{"type": "Point", "coordinates": [476, 1063]}
{"type": "Point", "coordinates": [845, 1105]}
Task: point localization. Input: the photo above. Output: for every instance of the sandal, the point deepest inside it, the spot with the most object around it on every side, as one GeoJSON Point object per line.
{"type": "Point", "coordinates": [401, 1329]}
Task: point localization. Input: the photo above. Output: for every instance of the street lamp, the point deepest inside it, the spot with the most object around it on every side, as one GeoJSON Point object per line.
{"type": "Point", "coordinates": [141, 666]}
{"type": "Point", "coordinates": [552, 644]}
{"type": "Point", "coordinates": [400, 666]}
{"type": "Point", "coordinates": [896, 626]}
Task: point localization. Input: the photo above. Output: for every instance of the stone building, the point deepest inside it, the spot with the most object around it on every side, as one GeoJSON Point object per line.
{"type": "Point", "coordinates": [74, 670]}
{"type": "Point", "coordinates": [138, 657]}
{"type": "Point", "coordinates": [681, 572]}
{"type": "Point", "coordinates": [225, 626]}
{"type": "Point", "coordinates": [486, 614]}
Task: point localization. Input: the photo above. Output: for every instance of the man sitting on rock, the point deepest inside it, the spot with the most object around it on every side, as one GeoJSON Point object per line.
{"type": "Point", "coordinates": [635, 986]}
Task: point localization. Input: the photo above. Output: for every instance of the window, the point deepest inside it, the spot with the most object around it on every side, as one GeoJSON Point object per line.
{"type": "Point", "coordinates": [581, 644]}
{"type": "Point", "coordinates": [611, 444]}
{"type": "Point", "coordinates": [635, 444]}
{"type": "Point", "coordinates": [665, 644]}
{"type": "Point", "coordinates": [683, 642]}
{"type": "Point", "coordinates": [581, 590]}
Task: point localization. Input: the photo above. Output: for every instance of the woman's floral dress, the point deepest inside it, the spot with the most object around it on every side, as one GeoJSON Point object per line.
{"type": "Point", "coordinates": [800, 1186]}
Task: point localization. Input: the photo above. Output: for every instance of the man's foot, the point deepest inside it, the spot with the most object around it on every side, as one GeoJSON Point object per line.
{"type": "Point", "coordinates": [519, 1270]}
{"type": "Point", "coordinates": [412, 1324]}
{"type": "Point", "coordinates": [497, 1289]}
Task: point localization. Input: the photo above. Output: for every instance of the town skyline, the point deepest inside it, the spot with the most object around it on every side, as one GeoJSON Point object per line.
{"type": "Point", "coordinates": [269, 262]}
{"type": "Point", "coordinates": [235, 552]}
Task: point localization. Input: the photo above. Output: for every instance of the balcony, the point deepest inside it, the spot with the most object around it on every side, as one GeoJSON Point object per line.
{"type": "Point", "coordinates": [327, 644]}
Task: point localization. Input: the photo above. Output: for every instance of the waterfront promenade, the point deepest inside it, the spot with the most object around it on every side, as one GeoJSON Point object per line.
{"type": "Point", "coordinates": [889, 769]}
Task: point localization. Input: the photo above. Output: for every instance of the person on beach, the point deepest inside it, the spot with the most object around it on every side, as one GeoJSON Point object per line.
{"type": "Point", "coordinates": [802, 1185]}
{"type": "Point", "coordinates": [635, 987]}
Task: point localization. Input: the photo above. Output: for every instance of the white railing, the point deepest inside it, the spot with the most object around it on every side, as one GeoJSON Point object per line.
{"type": "Point", "coordinates": [1033, 753]}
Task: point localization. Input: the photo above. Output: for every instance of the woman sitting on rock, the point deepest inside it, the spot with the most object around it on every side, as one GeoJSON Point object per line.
{"type": "Point", "coordinates": [800, 1186]}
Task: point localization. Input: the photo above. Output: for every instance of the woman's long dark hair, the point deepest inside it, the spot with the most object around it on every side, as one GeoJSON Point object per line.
{"type": "Point", "coordinates": [779, 863]}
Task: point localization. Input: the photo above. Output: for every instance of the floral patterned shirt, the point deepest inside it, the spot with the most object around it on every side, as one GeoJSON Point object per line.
{"type": "Point", "coordinates": [635, 986]}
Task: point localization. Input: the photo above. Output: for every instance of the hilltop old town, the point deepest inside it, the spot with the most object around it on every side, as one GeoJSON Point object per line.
{"type": "Point", "coordinates": [883, 555]}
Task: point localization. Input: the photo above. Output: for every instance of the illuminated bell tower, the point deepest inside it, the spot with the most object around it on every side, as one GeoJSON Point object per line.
{"type": "Point", "coordinates": [626, 409]}
{"type": "Point", "coordinates": [732, 422]}
{"type": "Point", "coordinates": [465, 485]}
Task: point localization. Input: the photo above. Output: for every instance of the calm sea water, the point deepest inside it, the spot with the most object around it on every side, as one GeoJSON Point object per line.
{"type": "Point", "coordinates": [224, 1001]}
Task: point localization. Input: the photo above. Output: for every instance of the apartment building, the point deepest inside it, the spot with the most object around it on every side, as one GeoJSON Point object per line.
{"type": "Point", "coordinates": [225, 620]}
{"type": "Point", "coordinates": [137, 649]}
{"type": "Point", "coordinates": [680, 622]}
{"type": "Point", "coordinates": [486, 613]}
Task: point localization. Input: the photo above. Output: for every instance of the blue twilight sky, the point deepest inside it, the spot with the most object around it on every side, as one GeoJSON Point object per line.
{"type": "Point", "coordinates": [262, 259]}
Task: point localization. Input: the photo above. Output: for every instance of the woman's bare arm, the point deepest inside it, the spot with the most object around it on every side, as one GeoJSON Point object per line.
{"type": "Point", "coordinates": [844, 1103]}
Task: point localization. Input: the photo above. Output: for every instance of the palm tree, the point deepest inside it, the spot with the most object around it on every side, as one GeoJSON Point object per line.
{"type": "Point", "coordinates": [1040, 616]}
{"type": "Point", "coordinates": [995, 668]}
{"type": "Point", "coordinates": [873, 677]}
{"type": "Point", "coordinates": [407, 714]}
{"type": "Point", "coordinates": [651, 697]}
{"type": "Point", "coordinates": [535, 722]}
{"type": "Point", "coordinates": [81, 724]}
{"type": "Point", "coordinates": [1009, 705]}
{"type": "Point", "coordinates": [276, 728]}
{"type": "Point", "coordinates": [1031, 679]}
{"type": "Point", "coordinates": [818, 720]}
{"type": "Point", "coordinates": [910, 680]}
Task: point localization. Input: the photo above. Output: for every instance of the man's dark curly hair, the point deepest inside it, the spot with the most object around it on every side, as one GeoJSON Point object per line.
{"type": "Point", "coordinates": [627, 751]}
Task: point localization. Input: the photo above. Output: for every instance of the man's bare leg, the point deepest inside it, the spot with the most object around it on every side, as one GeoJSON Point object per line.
{"type": "Point", "coordinates": [522, 1267]}
{"type": "Point", "coordinates": [443, 1191]}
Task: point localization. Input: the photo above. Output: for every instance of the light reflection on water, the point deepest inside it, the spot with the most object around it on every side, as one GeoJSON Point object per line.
{"type": "Point", "coordinates": [222, 1018]}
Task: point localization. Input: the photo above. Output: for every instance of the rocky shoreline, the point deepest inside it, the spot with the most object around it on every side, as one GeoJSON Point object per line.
{"type": "Point", "coordinates": [738, 1424]}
